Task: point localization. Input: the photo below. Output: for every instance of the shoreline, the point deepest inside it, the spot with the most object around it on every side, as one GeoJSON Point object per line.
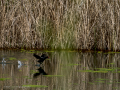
{"type": "Point", "coordinates": [71, 50]}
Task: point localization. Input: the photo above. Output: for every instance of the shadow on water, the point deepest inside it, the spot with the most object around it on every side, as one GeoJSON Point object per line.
{"type": "Point", "coordinates": [64, 70]}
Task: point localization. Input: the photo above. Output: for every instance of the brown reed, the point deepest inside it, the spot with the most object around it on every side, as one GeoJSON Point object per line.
{"type": "Point", "coordinates": [61, 24]}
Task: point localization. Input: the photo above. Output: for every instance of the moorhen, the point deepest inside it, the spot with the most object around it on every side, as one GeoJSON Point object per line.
{"type": "Point", "coordinates": [41, 58]}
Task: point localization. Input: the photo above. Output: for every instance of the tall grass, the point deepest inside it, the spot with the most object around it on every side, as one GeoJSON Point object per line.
{"type": "Point", "coordinates": [60, 24]}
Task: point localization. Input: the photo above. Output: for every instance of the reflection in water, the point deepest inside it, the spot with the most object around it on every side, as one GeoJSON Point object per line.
{"type": "Point", "coordinates": [3, 63]}
{"type": "Point", "coordinates": [67, 71]}
{"type": "Point", "coordinates": [41, 71]}
{"type": "Point", "coordinates": [41, 59]}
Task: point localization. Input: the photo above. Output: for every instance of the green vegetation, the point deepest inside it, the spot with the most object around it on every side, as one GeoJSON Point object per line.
{"type": "Point", "coordinates": [33, 71]}
{"type": "Point", "coordinates": [69, 24]}
{"type": "Point", "coordinates": [12, 58]}
{"type": "Point", "coordinates": [102, 79]}
{"type": "Point", "coordinates": [70, 64]}
{"type": "Point", "coordinates": [73, 64]}
{"type": "Point", "coordinates": [48, 51]}
{"type": "Point", "coordinates": [99, 52]}
{"type": "Point", "coordinates": [111, 52]}
{"type": "Point", "coordinates": [42, 86]}
{"type": "Point", "coordinates": [115, 87]}
{"type": "Point", "coordinates": [102, 70]}
{"type": "Point", "coordinates": [54, 75]}
{"type": "Point", "coordinates": [27, 77]}
{"type": "Point", "coordinates": [2, 79]}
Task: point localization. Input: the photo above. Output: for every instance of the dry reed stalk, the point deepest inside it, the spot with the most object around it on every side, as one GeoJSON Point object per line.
{"type": "Point", "coordinates": [74, 24]}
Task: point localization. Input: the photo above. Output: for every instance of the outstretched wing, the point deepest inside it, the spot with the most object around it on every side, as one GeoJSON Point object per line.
{"type": "Point", "coordinates": [43, 55]}
{"type": "Point", "coordinates": [38, 57]}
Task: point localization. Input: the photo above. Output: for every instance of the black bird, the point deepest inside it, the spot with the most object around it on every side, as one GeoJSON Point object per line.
{"type": "Point", "coordinates": [41, 71]}
{"type": "Point", "coordinates": [41, 58]}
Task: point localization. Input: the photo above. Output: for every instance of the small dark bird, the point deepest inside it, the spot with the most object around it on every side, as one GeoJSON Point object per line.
{"type": "Point", "coordinates": [41, 58]}
{"type": "Point", "coordinates": [41, 71]}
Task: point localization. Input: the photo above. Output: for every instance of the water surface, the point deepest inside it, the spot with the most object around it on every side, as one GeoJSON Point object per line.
{"type": "Point", "coordinates": [64, 70]}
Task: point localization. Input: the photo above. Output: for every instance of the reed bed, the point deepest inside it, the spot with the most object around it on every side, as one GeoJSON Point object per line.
{"type": "Point", "coordinates": [60, 24]}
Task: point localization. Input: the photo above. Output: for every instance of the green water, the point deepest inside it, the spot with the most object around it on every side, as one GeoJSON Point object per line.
{"type": "Point", "coordinates": [64, 70]}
